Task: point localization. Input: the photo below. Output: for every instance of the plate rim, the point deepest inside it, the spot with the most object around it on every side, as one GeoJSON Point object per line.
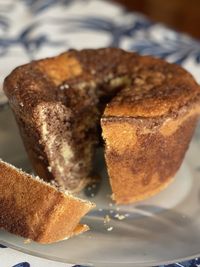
{"type": "Point", "coordinates": [71, 261]}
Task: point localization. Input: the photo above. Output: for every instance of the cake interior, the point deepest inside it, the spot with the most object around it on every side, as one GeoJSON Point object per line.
{"type": "Point", "coordinates": [75, 129]}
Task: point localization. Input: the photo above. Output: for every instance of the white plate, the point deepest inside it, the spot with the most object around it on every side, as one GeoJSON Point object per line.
{"type": "Point", "coordinates": [163, 229]}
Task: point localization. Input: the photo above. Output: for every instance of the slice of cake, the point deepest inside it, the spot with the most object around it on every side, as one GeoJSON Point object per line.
{"type": "Point", "coordinates": [149, 109]}
{"type": "Point", "coordinates": [33, 209]}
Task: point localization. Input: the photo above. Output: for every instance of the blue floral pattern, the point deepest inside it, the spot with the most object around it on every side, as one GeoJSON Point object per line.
{"type": "Point", "coordinates": [31, 44]}
{"type": "Point", "coordinates": [22, 264]}
{"type": "Point", "coordinates": [175, 45]}
{"type": "Point", "coordinates": [115, 30]}
{"type": "Point", "coordinates": [26, 41]}
{"type": "Point", "coordinates": [190, 263]}
{"type": "Point", "coordinates": [37, 6]}
{"type": "Point", "coordinates": [2, 246]}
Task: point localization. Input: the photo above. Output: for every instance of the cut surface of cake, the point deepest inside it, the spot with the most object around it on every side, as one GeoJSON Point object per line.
{"type": "Point", "coordinates": [31, 208]}
{"type": "Point", "coordinates": [148, 110]}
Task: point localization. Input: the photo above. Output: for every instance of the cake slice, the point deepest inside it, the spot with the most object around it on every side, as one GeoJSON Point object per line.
{"type": "Point", "coordinates": [33, 209]}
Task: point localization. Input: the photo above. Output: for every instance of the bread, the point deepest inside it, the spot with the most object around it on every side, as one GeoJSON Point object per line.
{"type": "Point", "coordinates": [36, 210]}
{"type": "Point", "coordinates": [145, 105]}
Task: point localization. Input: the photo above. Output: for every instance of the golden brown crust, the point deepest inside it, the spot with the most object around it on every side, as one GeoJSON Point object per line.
{"type": "Point", "coordinates": [158, 89]}
{"type": "Point", "coordinates": [33, 209]}
{"type": "Point", "coordinates": [147, 152]}
{"type": "Point", "coordinates": [60, 68]}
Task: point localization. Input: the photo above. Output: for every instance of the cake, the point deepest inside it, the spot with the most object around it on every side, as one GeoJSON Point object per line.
{"type": "Point", "coordinates": [33, 209]}
{"type": "Point", "coordinates": [144, 108]}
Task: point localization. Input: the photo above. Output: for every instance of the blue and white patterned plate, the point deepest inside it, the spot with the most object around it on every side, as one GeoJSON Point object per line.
{"type": "Point", "coordinates": [161, 230]}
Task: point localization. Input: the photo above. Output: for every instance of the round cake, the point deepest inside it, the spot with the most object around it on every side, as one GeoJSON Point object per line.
{"type": "Point", "coordinates": [144, 108]}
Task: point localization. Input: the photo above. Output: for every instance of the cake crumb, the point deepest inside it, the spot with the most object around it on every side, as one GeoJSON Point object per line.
{"type": "Point", "coordinates": [110, 204]}
{"type": "Point", "coordinates": [92, 195]}
{"type": "Point", "coordinates": [119, 217]}
{"type": "Point", "coordinates": [54, 183]}
{"type": "Point", "coordinates": [49, 168]}
{"type": "Point", "coordinates": [109, 228]}
{"type": "Point", "coordinates": [27, 241]}
{"type": "Point", "coordinates": [64, 86]}
{"type": "Point", "coordinates": [21, 104]}
{"type": "Point", "coordinates": [106, 219]}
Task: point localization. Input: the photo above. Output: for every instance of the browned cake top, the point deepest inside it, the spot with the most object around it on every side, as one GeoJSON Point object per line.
{"type": "Point", "coordinates": [139, 86]}
{"type": "Point", "coordinates": [158, 88]}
